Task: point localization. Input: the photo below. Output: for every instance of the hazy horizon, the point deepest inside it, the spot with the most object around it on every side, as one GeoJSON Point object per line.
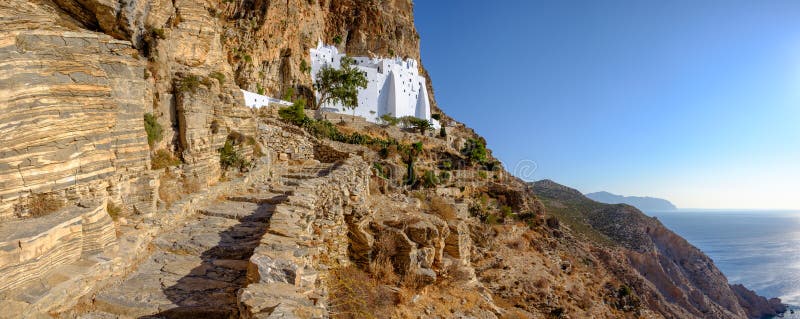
{"type": "Point", "coordinates": [688, 101]}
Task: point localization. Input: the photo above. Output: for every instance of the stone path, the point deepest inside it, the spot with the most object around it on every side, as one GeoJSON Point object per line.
{"type": "Point", "coordinates": [195, 270]}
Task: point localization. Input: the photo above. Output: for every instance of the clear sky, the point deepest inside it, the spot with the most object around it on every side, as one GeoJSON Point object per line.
{"type": "Point", "coordinates": [694, 101]}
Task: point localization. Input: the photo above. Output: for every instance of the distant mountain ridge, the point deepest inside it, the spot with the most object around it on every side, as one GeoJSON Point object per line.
{"type": "Point", "coordinates": [642, 203]}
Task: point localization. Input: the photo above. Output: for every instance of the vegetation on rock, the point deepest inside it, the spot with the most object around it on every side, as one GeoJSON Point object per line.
{"type": "Point", "coordinates": [163, 158]}
{"type": "Point", "coordinates": [475, 150]}
{"type": "Point", "coordinates": [154, 130]}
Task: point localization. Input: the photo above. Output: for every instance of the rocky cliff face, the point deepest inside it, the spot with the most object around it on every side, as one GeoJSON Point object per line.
{"type": "Point", "coordinates": [314, 221]}
{"type": "Point", "coordinates": [679, 272]}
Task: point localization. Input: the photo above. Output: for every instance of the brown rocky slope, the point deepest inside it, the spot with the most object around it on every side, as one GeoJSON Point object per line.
{"type": "Point", "coordinates": [160, 225]}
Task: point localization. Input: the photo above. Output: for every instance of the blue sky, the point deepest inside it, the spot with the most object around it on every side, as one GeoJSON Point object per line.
{"type": "Point", "coordinates": [694, 101]}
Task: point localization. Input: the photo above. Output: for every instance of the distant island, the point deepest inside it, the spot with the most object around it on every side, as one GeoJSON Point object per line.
{"type": "Point", "coordinates": [642, 203]}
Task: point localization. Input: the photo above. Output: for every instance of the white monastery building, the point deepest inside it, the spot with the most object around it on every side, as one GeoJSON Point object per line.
{"type": "Point", "coordinates": [255, 100]}
{"type": "Point", "coordinates": [395, 86]}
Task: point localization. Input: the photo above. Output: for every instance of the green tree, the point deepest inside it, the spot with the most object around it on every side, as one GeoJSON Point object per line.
{"type": "Point", "coordinates": [418, 124]}
{"type": "Point", "coordinates": [341, 85]}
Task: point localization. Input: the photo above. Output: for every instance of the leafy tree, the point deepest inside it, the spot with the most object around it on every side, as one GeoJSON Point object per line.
{"type": "Point", "coordinates": [341, 85]}
{"type": "Point", "coordinates": [417, 123]}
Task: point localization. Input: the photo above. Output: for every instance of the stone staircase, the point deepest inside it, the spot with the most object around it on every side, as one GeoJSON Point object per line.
{"type": "Point", "coordinates": [217, 262]}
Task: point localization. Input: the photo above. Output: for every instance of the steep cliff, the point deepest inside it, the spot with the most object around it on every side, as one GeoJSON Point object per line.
{"type": "Point", "coordinates": [680, 273]}
{"type": "Point", "coordinates": [349, 219]}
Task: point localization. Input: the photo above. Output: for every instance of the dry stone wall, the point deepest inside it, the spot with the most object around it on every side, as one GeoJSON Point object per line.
{"type": "Point", "coordinates": [305, 233]}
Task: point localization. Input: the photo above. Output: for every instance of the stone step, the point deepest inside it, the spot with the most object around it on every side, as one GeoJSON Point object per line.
{"type": "Point", "coordinates": [288, 191]}
{"type": "Point", "coordinates": [239, 210]}
{"type": "Point", "coordinates": [259, 198]}
{"type": "Point", "coordinates": [177, 286]}
{"type": "Point", "coordinates": [214, 237]}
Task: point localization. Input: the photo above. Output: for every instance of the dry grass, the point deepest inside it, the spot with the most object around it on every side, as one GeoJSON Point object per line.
{"type": "Point", "coordinates": [519, 243]}
{"type": "Point", "coordinates": [354, 294]}
{"type": "Point", "coordinates": [43, 204]}
{"type": "Point", "coordinates": [114, 210]}
{"type": "Point", "coordinates": [163, 158]}
{"type": "Point", "coordinates": [457, 274]}
{"type": "Point", "coordinates": [381, 266]}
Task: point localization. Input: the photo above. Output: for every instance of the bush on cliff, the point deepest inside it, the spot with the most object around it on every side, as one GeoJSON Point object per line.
{"type": "Point", "coordinates": [154, 130]}
{"type": "Point", "coordinates": [475, 150]}
{"type": "Point", "coordinates": [230, 157]}
{"type": "Point", "coordinates": [295, 114]}
{"type": "Point", "coordinates": [163, 158]}
{"type": "Point", "coordinates": [43, 204]}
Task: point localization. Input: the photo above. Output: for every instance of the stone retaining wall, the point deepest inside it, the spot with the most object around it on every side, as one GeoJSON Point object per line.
{"type": "Point", "coordinates": [305, 234]}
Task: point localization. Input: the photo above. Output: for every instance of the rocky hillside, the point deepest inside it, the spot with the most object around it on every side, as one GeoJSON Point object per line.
{"type": "Point", "coordinates": [682, 277]}
{"type": "Point", "coordinates": [135, 183]}
{"type": "Point", "coordinates": [643, 203]}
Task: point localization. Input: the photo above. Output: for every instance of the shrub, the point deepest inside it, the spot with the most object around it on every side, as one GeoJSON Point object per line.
{"type": "Point", "coordinates": [417, 147]}
{"type": "Point", "coordinates": [390, 120]}
{"type": "Point", "coordinates": [113, 210]}
{"type": "Point", "coordinates": [482, 174]}
{"type": "Point", "coordinates": [411, 175]}
{"type": "Point", "coordinates": [257, 151]}
{"type": "Point", "coordinates": [259, 88]}
{"type": "Point", "coordinates": [380, 170]}
{"type": "Point", "coordinates": [444, 176]}
{"type": "Point", "coordinates": [381, 266]}
{"type": "Point", "coordinates": [506, 212]}
{"type": "Point", "coordinates": [163, 158]}
{"type": "Point", "coordinates": [230, 157]}
{"type": "Point", "coordinates": [219, 76]}
{"type": "Point", "coordinates": [44, 204]}
{"type": "Point", "coordinates": [294, 114]}
{"type": "Point", "coordinates": [429, 179]}
{"type": "Point", "coordinates": [354, 294]}
{"type": "Point", "coordinates": [337, 39]}
{"type": "Point", "coordinates": [304, 67]}
{"type": "Point", "coordinates": [418, 124]}
{"type": "Point", "coordinates": [475, 150]}
{"type": "Point", "coordinates": [446, 164]}
{"type": "Point", "coordinates": [159, 33]}
{"type": "Point", "coordinates": [289, 96]}
{"type": "Point", "coordinates": [442, 132]}
{"type": "Point", "coordinates": [154, 130]}
{"type": "Point", "coordinates": [492, 219]}
{"type": "Point", "coordinates": [189, 83]}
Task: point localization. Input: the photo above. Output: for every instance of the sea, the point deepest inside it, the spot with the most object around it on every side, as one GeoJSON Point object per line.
{"type": "Point", "coordinates": [759, 249]}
